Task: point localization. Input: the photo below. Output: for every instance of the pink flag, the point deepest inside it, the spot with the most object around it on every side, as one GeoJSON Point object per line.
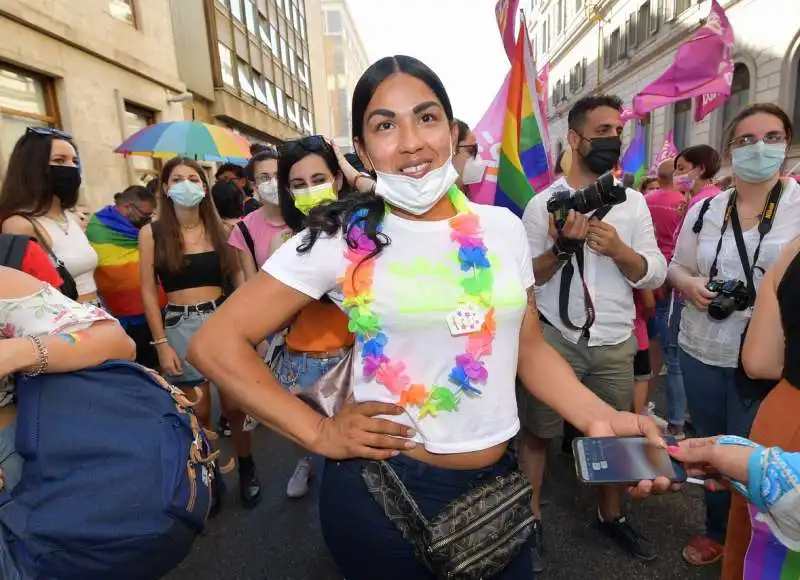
{"type": "Point", "coordinates": [506, 13]}
{"type": "Point", "coordinates": [668, 150]}
{"type": "Point", "coordinates": [703, 65]}
{"type": "Point", "coordinates": [489, 134]}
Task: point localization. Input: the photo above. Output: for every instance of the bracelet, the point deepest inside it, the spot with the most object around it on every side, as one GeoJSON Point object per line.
{"type": "Point", "coordinates": [163, 340]}
{"type": "Point", "coordinates": [43, 354]}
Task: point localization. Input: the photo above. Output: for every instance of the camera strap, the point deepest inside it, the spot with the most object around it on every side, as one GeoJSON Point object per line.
{"type": "Point", "coordinates": [764, 227]}
{"type": "Point", "coordinates": [567, 273]}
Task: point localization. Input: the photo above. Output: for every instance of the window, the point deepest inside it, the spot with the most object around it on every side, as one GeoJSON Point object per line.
{"type": "Point", "coordinates": [304, 75]}
{"type": "Point", "coordinates": [258, 88]}
{"type": "Point", "coordinates": [643, 23]}
{"type": "Point", "coordinates": [250, 13]}
{"type": "Point", "coordinates": [682, 123]}
{"type": "Point", "coordinates": [245, 78]}
{"type": "Point", "coordinates": [270, 93]}
{"type": "Point", "coordinates": [26, 100]}
{"type": "Point", "coordinates": [123, 10]}
{"type": "Point", "coordinates": [647, 135]}
{"type": "Point", "coordinates": [136, 119]}
{"type": "Point", "coordinates": [291, 111]}
{"type": "Point", "coordinates": [226, 65]}
{"type": "Point", "coordinates": [284, 53]}
{"type": "Point", "coordinates": [333, 22]}
{"type": "Point", "coordinates": [279, 103]}
{"type": "Point", "coordinates": [236, 9]}
{"type": "Point", "coordinates": [612, 52]}
{"type": "Point", "coordinates": [740, 94]}
{"type": "Point", "coordinates": [578, 5]}
{"type": "Point", "coordinates": [560, 17]}
{"type": "Point", "coordinates": [263, 32]}
{"type": "Point", "coordinates": [682, 6]}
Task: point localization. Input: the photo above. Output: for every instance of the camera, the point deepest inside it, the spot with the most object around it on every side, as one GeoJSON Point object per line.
{"type": "Point", "coordinates": [731, 295]}
{"type": "Point", "coordinates": [605, 191]}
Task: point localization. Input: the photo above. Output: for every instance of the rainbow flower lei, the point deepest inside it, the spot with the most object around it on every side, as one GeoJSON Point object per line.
{"type": "Point", "coordinates": [477, 284]}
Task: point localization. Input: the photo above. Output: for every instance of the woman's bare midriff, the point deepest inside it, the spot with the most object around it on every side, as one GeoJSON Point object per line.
{"type": "Point", "coordinates": [472, 460]}
{"type": "Point", "coordinates": [192, 296]}
{"type": "Point", "coordinates": [7, 415]}
{"type": "Point", "coordinates": [89, 297]}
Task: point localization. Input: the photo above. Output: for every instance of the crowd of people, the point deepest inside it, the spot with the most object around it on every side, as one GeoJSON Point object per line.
{"type": "Point", "coordinates": [469, 339]}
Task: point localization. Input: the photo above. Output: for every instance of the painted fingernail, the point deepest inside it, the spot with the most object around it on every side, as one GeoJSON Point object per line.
{"type": "Point", "coordinates": [395, 453]}
{"type": "Point", "coordinates": [410, 444]}
{"type": "Point", "coordinates": [411, 432]}
{"type": "Point", "coordinates": [673, 448]}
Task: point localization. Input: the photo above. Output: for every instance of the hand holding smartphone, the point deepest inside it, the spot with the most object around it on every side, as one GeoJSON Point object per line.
{"type": "Point", "coordinates": [623, 461]}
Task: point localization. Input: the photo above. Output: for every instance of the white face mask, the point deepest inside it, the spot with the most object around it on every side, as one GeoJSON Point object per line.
{"type": "Point", "coordinates": [473, 172]}
{"type": "Point", "coordinates": [416, 195]}
{"type": "Point", "coordinates": [268, 192]}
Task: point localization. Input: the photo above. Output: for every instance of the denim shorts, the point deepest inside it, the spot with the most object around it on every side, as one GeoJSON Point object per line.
{"type": "Point", "coordinates": [10, 461]}
{"type": "Point", "coordinates": [298, 371]}
{"type": "Point", "coordinates": [179, 328]}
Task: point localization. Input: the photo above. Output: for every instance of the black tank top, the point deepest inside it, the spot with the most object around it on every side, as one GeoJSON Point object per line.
{"type": "Point", "coordinates": [788, 292]}
{"type": "Point", "coordinates": [198, 270]}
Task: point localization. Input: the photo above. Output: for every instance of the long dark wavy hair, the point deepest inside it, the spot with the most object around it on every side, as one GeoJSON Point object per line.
{"type": "Point", "coordinates": [332, 217]}
{"type": "Point", "coordinates": [27, 189]}
{"type": "Point", "coordinates": [170, 252]}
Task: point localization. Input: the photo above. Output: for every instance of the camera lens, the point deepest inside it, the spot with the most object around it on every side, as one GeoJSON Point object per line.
{"type": "Point", "coordinates": [721, 307]}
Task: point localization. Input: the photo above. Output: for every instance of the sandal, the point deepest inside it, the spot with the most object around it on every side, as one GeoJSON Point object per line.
{"type": "Point", "coordinates": [702, 551]}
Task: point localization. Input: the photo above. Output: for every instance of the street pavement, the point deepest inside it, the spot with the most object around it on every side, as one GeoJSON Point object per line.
{"type": "Point", "coordinates": [280, 539]}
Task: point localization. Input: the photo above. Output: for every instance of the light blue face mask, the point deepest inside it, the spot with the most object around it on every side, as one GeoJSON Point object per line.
{"type": "Point", "coordinates": [758, 162]}
{"type": "Point", "coordinates": [187, 194]}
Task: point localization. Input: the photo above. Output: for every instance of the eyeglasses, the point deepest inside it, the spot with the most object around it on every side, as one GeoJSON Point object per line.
{"type": "Point", "coordinates": [310, 144]}
{"type": "Point", "coordinates": [472, 150]}
{"type": "Point", "coordinates": [770, 138]}
{"type": "Point", "coordinates": [48, 132]}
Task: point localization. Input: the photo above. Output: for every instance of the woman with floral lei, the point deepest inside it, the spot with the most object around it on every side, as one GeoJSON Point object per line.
{"type": "Point", "coordinates": [435, 290]}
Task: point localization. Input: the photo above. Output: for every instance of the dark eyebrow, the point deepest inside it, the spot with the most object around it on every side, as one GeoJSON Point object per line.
{"type": "Point", "coordinates": [391, 114]}
{"type": "Point", "coordinates": [318, 175]}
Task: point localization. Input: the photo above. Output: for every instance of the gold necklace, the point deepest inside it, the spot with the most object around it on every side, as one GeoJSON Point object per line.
{"type": "Point", "coordinates": [63, 224]}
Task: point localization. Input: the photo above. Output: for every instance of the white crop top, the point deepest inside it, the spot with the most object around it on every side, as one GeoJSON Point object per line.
{"type": "Point", "coordinates": [47, 311]}
{"type": "Point", "coordinates": [73, 249]}
{"type": "Point", "coordinates": [416, 285]}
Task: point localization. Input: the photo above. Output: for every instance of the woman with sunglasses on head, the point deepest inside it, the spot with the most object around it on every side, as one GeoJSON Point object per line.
{"type": "Point", "coordinates": [317, 338]}
{"type": "Point", "coordinates": [761, 214]}
{"type": "Point", "coordinates": [434, 392]}
{"type": "Point", "coordinates": [466, 161]}
{"type": "Point", "coordinates": [41, 186]}
{"type": "Point", "coordinates": [186, 251]}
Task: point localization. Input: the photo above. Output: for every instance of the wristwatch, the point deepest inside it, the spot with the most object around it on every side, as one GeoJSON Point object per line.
{"type": "Point", "coordinates": [562, 254]}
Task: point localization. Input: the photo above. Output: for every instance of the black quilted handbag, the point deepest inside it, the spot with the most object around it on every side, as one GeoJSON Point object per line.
{"type": "Point", "coordinates": [473, 538]}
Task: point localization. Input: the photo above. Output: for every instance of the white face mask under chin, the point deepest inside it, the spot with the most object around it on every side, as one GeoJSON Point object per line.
{"type": "Point", "coordinates": [473, 172]}
{"type": "Point", "coordinates": [417, 196]}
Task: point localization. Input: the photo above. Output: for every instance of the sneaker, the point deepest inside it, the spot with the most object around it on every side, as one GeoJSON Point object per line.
{"type": "Point", "coordinates": [249, 485]}
{"type": "Point", "coordinates": [538, 547]}
{"type": "Point", "coordinates": [621, 531]}
{"type": "Point", "coordinates": [249, 424]}
{"type": "Point", "coordinates": [224, 428]}
{"type": "Point", "coordinates": [676, 432]}
{"type": "Point", "coordinates": [298, 483]}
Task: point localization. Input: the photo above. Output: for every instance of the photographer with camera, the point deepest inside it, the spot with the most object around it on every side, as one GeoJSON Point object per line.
{"type": "Point", "coordinates": [593, 243]}
{"type": "Point", "coordinates": [726, 244]}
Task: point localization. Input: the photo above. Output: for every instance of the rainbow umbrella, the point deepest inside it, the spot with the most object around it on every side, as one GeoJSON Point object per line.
{"type": "Point", "coordinates": [193, 139]}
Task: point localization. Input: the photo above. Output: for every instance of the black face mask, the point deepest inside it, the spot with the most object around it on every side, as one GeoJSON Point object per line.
{"type": "Point", "coordinates": [603, 154]}
{"type": "Point", "coordinates": [66, 181]}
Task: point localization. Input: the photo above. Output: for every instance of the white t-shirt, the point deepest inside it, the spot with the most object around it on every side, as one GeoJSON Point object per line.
{"type": "Point", "coordinates": [416, 285]}
{"type": "Point", "coordinates": [717, 342]}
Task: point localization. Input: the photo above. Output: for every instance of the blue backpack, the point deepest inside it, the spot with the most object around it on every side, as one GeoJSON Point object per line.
{"type": "Point", "coordinates": [117, 476]}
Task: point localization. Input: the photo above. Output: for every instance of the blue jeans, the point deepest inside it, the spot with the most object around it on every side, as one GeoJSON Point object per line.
{"type": "Point", "coordinates": [716, 409]}
{"type": "Point", "coordinates": [297, 372]}
{"type": "Point", "coordinates": [366, 545]}
{"type": "Point", "coordinates": [665, 329]}
{"type": "Point", "coordinates": [8, 567]}
{"type": "Point", "coordinates": [10, 461]}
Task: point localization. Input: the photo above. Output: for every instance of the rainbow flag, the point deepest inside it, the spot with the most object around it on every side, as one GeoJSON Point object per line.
{"type": "Point", "coordinates": [524, 164]}
{"type": "Point", "coordinates": [635, 158]}
{"type": "Point", "coordinates": [116, 242]}
{"type": "Point", "coordinates": [767, 558]}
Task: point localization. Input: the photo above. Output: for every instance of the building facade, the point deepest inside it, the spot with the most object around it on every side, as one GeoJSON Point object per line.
{"type": "Point", "coordinates": [98, 69]}
{"type": "Point", "coordinates": [620, 46]}
{"type": "Point", "coordinates": [247, 64]}
{"type": "Point", "coordinates": [345, 61]}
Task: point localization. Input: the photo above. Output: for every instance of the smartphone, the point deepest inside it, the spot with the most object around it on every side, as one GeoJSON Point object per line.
{"type": "Point", "coordinates": [623, 460]}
